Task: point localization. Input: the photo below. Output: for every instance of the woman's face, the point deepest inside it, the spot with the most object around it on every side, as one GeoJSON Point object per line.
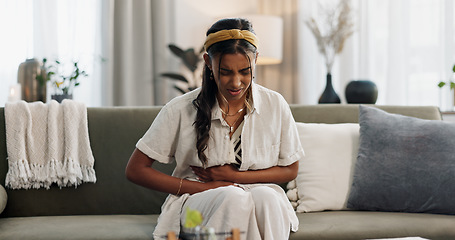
{"type": "Point", "coordinates": [233, 75]}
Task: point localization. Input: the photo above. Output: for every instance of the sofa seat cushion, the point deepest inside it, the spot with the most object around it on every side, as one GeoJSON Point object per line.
{"type": "Point", "coordinates": [316, 225]}
{"type": "Point", "coordinates": [79, 227]}
{"type": "Point", "coordinates": [369, 225]}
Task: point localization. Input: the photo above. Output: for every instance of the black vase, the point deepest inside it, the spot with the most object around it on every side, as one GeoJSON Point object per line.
{"type": "Point", "coordinates": [329, 95]}
{"type": "Point", "coordinates": [60, 97]}
{"type": "Point", "coordinates": [361, 91]}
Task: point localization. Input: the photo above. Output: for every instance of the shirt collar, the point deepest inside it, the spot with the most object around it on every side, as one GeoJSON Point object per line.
{"type": "Point", "coordinates": [256, 99]}
{"type": "Point", "coordinates": [216, 111]}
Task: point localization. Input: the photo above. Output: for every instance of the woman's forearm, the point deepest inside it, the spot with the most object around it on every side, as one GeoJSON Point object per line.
{"type": "Point", "coordinates": [139, 171]}
{"type": "Point", "coordinates": [276, 174]}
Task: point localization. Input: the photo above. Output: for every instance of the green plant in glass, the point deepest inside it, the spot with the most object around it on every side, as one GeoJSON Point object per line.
{"type": "Point", "coordinates": [193, 218]}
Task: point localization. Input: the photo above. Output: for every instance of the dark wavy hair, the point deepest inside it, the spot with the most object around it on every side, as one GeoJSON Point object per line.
{"type": "Point", "coordinates": [207, 97]}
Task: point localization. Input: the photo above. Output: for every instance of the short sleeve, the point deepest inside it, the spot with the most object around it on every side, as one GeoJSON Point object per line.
{"type": "Point", "coordinates": [290, 148]}
{"type": "Point", "coordinates": [159, 142]}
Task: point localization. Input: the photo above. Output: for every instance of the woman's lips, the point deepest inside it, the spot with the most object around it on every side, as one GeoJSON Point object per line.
{"type": "Point", "coordinates": [235, 92]}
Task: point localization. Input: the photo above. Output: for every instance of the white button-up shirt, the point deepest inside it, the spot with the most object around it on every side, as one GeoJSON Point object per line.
{"type": "Point", "coordinates": [269, 138]}
{"type": "Point", "coordinates": [269, 135]}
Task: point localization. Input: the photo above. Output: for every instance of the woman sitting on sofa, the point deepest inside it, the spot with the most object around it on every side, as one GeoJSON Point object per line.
{"type": "Point", "coordinates": [232, 141]}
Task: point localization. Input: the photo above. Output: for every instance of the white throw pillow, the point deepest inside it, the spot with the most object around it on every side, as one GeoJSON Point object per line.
{"type": "Point", "coordinates": [3, 198]}
{"type": "Point", "coordinates": [325, 173]}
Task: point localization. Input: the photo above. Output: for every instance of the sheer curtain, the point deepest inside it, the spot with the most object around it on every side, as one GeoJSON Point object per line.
{"type": "Point", "coordinates": [16, 20]}
{"type": "Point", "coordinates": [127, 45]}
{"type": "Point", "coordinates": [406, 47]}
{"type": "Point", "coordinates": [55, 30]}
{"type": "Point", "coordinates": [135, 38]}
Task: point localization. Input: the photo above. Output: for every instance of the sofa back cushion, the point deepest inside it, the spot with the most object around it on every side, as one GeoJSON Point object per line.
{"type": "Point", "coordinates": [114, 132]}
{"type": "Point", "coordinates": [113, 135]}
{"type": "Point", "coordinates": [349, 113]}
{"type": "Point", "coordinates": [325, 173]}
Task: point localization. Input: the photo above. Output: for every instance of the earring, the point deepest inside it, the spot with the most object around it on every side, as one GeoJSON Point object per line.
{"type": "Point", "coordinates": [211, 75]}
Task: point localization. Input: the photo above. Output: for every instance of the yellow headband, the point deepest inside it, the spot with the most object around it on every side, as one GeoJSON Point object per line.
{"type": "Point", "coordinates": [224, 35]}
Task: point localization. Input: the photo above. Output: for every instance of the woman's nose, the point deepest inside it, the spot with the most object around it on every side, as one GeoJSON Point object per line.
{"type": "Point", "coordinates": [237, 80]}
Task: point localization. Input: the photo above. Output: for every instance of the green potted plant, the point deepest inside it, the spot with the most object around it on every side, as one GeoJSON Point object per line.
{"type": "Point", "coordinates": [62, 82]}
{"type": "Point", "coordinates": [191, 60]}
{"type": "Point", "coordinates": [450, 82]}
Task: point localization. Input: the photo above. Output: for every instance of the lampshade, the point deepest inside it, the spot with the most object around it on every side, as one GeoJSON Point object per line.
{"type": "Point", "coordinates": [269, 30]}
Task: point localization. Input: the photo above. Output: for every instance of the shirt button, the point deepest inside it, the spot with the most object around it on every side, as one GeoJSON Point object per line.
{"type": "Point", "coordinates": [226, 137]}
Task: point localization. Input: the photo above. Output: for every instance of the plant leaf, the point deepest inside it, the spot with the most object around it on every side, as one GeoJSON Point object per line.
{"type": "Point", "coordinates": [453, 69]}
{"type": "Point", "coordinates": [180, 90]}
{"type": "Point", "coordinates": [441, 84]}
{"type": "Point", "coordinates": [175, 76]}
{"type": "Point", "coordinates": [452, 85]}
{"type": "Point", "coordinates": [190, 59]}
{"type": "Point", "coordinates": [176, 50]}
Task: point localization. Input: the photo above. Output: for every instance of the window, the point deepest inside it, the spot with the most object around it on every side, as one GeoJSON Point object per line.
{"type": "Point", "coordinates": [410, 49]}
{"type": "Point", "coordinates": [67, 30]}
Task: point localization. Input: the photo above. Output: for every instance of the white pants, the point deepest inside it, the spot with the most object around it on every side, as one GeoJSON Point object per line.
{"type": "Point", "coordinates": [260, 211]}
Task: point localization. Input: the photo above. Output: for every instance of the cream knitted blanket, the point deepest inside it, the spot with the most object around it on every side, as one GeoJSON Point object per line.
{"type": "Point", "coordinates": [46, 144]}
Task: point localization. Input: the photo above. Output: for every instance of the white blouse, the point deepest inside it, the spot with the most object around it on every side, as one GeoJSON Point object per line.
{"type": "Point", "coordinates": [269, 135]}
{"type": "Point", "coordinates": [269, 138]}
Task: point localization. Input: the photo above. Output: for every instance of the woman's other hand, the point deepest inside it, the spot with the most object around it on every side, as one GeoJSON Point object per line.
{"type": "Point", "coordinates": [216, 173]}
{"type": "Point", "coordinates": [276, 174]}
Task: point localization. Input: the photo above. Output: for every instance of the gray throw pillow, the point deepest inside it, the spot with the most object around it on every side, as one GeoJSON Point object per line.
{"type": "Point", "coordinates": [404, 164]}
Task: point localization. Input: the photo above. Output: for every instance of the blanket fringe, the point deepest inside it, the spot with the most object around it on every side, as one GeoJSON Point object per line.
{"type": "Point", "coordinates": [22, 175]}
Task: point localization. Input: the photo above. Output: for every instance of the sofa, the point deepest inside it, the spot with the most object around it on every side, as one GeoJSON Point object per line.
{"type": "Point", "coordinates": [114, 208]}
